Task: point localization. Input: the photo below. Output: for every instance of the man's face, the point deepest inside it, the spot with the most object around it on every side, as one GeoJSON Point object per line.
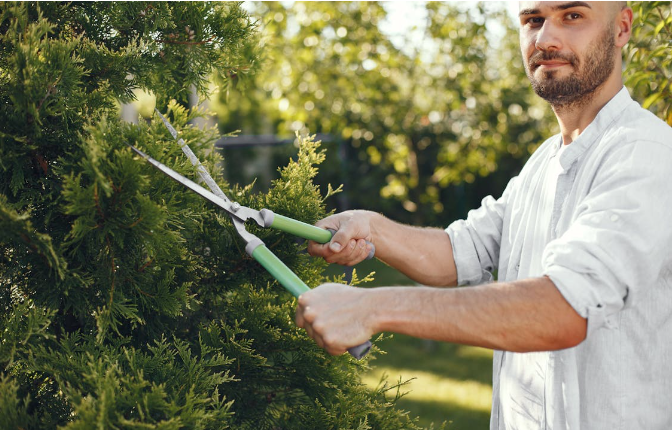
{"type": "Point", "coordinates": [568, 49]}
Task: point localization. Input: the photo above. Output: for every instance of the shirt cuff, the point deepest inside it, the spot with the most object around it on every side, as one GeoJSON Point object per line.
{"type": "Point", "coordinates": [577, 291]}
{"type": "Point", "coordinates": [469, 270]}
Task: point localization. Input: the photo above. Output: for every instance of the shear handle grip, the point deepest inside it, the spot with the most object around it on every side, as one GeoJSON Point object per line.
{"type": "Point", "coordinates": [295, 227]}
{"type": "Point", "coordinates": [361, 350]}
{"type": "Point", "coordinates": [301, 229]}
{"type": "Point", "coordinates": [293, 284]}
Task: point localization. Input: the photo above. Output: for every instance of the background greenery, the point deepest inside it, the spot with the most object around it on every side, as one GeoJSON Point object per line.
{"type": "Point", "coordinates": [416, 125]}
{"type": "Point", "coordinates": [425, 127]}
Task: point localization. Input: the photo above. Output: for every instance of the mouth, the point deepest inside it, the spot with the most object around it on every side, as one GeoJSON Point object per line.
{"type": "Point", "coordinates": [550, 65]}
{"type": "Point", "coordinates": [549, 61]}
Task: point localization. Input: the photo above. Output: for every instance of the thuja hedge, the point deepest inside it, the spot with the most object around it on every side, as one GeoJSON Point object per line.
{"type": "Point", "coordinates": [127, 302]}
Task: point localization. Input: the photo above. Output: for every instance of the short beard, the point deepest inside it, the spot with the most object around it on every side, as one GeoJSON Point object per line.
{"type": "Point", "coordinates": [577, 89]}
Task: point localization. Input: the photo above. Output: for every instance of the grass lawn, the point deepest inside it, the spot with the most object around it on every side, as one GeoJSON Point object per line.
{"type": "Point", "coordinates": [451, 383]}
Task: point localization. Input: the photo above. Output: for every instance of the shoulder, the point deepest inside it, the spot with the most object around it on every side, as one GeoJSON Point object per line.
{"type": "Point", "coordinates": [636, 125]}
{"type": "Point", "coordinates": [638, 147]}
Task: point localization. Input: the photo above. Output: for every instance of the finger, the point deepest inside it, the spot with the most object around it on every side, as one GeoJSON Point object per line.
{"type": "Point", "coordinates": [341, 257]}
{"type": "Point", "coordinates": [333, 345]}
{"type": "Point", "coordinates": [356, 252]}
{"type": "Point", "coordinates": [345, 255]}
{"type": "Point", "coordinates": [298, 318]}
{"type": "Point", "coordinates": [362, 250]}
{"type": "Point", "coordinates": [308, 315]}
{"type": "Point", "coordinates": [319, 249]}
{"type": "Point", "coordinates": [335, 351]}
{"type": "Point", "coordinates": [340, 239]}
{"type": "Point", "coordinates": [315, 336]}
{"type": "Point", "coordinates": [303, 314]}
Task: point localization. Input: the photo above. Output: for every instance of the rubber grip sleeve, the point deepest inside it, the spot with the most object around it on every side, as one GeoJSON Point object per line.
{"type": "Point", "coordinates": [301, 229]}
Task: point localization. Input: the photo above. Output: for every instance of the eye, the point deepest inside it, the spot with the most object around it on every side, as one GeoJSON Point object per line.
{"type": "Point", "coordinates": [534, 21]}
{"type": "Point", "coordinates": [573, 16]}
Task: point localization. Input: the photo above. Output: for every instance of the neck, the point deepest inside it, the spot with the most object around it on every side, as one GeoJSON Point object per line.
{"type": "Point", "coordinates": [574, 118]}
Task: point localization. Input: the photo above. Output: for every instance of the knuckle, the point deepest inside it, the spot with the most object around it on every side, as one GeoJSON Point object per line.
{"type": "Point", "coordinates": [319, 327]}
{"type": "Point", "coordinates": [329, 342]}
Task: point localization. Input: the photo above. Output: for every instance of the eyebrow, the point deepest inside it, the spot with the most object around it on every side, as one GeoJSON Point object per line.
{"type": "Point", "coordinates": [562, 6]}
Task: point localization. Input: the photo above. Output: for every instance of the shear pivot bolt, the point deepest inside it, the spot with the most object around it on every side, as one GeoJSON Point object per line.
{"type": "Point", "coordinates": [235, 206]}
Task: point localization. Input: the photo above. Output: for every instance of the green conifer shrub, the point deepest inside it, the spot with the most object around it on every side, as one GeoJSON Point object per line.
{"type": "Point", "coordinates": [126, 301]}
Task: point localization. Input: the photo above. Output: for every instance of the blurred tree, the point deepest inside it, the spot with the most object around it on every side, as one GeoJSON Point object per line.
{"type": "Point", "coordinates": [414, 121]}
{"type": "Point", "coordinates": [127, 301]}
{"type": "Point", "coordinates": [423, 128]}
{"type": "Point", "coordinates": [648, 57]}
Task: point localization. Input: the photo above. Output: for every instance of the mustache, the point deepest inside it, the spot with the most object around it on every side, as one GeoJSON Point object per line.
{"type": "Point", "coordinates": [540, 56]}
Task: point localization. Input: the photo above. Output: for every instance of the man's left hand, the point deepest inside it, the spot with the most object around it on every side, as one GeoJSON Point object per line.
{"type": "Point", "coordinates": [336, 316]}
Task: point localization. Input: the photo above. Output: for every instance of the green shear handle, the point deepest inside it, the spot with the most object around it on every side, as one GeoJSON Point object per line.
{"type": "Point", "coordinates": [290, 281]}
{"type": "Point", "coordinates": [301, 229]}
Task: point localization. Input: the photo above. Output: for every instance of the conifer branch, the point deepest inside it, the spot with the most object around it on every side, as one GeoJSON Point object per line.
{"type": "Point", "coordinates": [186, 42]}
{"type": "Point", "coordinates": [134, 223]}
{"type": "Point", "coordinates": [144, 293]}
{"type": "Point", "coordinates": [114, 269]}
{"type": "Point", "coordinates": [146, 265]}
{"type": "Point", "coordinates": [51, 89]}
{"type": "Point", "coordinates": [97, 202]}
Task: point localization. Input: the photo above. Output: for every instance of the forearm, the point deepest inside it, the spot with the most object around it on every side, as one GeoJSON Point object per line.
{"type": "Point", "coordinates": [423, 254]}
{"type": "Point", "coordinates": [527, 315]}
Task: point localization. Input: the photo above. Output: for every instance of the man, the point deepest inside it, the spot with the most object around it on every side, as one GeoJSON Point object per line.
{"type": "Point", "coordinates": [581, 318]}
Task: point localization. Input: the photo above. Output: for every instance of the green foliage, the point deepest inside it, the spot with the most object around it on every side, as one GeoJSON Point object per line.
{"type": "Point", "coordinates": [648, 57]}
{"type": "Point", "coordinates": [127, 301]}
{"type": "Point", "coordinates": [13, 409]}
{"type": "Point", "coordinates": [412, 120]}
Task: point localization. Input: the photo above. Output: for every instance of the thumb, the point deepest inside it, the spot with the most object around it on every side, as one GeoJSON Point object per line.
{"type": "Point", "coordinates": [339, 238]}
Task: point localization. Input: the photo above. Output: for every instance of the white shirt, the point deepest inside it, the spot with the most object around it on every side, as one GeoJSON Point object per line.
{"type": "Point", "coordinates": [609, 253]}
{"type": "Point", "coordinates": [530, 367]}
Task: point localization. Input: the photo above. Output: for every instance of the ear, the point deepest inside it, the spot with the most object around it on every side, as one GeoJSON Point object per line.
{"type": "Point", "coordinates": [623, 26]}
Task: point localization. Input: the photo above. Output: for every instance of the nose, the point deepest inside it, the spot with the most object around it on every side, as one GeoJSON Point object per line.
{"type": "Point", "coordinates": [548, 38]}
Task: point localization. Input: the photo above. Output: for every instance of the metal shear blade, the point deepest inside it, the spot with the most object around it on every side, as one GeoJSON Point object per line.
{"type": "Point", "coordinates": [235, 210]}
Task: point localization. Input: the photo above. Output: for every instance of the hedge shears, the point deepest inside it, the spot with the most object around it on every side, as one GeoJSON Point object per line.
{"type": "Point", "coordinates": [264, 218]}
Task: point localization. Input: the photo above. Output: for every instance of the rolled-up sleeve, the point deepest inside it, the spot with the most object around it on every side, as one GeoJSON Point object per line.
{"type": "Point", "coordinates": [620, 237]}
{"type": "Point", "coordinates": [476, 241]}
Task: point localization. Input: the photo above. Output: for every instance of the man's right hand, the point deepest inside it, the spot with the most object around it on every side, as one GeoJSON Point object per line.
{"type": "Point", "coordinates": [423, 254]}
{"type": "Point", "coordinates": [348, 246]}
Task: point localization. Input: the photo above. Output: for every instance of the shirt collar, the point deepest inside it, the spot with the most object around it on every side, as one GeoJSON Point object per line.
{"type": "Point", "coordinates": [604, 119]}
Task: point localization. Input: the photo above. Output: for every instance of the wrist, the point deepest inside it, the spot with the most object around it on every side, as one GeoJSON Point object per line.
{"type": "Point", "coordinates": [384, 308]}
{"type": "Point", "coordinates": [375, 226]}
